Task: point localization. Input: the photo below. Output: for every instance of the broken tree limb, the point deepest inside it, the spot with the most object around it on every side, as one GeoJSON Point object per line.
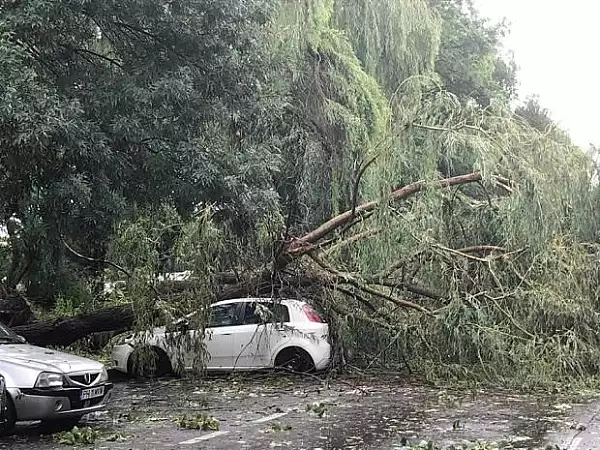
{"type": "Point", "coordinates": [482, 249]}
{"type": "Point", "coordinates": [306, 242]}
{"type": "Point", "coordinates": [95, 260]}
{"type": "Point", "coordinates": [65, 331]}
{"type": "Point", "coordinates": [357, 180]}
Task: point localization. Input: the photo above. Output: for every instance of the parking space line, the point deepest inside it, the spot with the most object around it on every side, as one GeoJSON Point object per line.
{"type": "Point", "coordinates": [204, 438]}
{"type": "Point", "coordinates": [271, 417]}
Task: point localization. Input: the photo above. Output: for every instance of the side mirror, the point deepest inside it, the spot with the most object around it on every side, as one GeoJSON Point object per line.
{"type": "Point", "coordinates": [22, 340]}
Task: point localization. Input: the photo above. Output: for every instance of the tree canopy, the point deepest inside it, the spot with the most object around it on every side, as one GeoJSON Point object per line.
{"type": "Point", "coordinates": [363, 154]}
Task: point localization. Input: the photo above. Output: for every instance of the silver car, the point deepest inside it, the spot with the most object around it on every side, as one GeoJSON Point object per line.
{"type": "Point", "coordinates": [42, 384]}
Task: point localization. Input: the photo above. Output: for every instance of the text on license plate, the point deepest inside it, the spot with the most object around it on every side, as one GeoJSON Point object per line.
{"type": "Point", "coordinates": [86, 394]}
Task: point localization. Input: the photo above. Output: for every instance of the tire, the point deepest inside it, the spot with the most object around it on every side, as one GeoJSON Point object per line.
{"type": "Point", "coordinates": [56, 425]}
{"type": "Point", "coordinates": [148, 363]}
{"type": "Point", "coordinates": [9, 415]}
{"type": "Point", "coordinates": [294, 359]}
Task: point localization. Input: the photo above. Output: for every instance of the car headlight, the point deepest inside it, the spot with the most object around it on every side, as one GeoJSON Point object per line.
{"type": "Point", "coordinates": [104, 375]}
{"type": "Point", "coordinates": [48, 380]}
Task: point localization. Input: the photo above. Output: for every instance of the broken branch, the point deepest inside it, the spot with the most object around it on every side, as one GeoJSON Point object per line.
{"type": "Point", "coordinates": [303, 244]}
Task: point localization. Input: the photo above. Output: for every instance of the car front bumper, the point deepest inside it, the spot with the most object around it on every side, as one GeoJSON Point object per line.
{"type": "Point", "coordinates": [40, 404]}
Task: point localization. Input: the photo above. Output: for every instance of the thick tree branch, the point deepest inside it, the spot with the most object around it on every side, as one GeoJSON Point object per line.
{"type": "Point", "coordinates": [304, 244]}
{"type": "Point", "coordinates": [68, 330]}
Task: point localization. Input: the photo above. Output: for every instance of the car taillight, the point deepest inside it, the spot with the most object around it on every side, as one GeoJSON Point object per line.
{"type": "Point", "coordinates": [312, 315]}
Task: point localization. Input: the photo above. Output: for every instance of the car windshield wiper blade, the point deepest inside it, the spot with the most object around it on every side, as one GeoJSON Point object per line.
{"type": "Point", "coordinates": [8, 339]}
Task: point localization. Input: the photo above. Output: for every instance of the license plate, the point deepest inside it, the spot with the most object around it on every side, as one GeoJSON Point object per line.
{"type": "Point", "coordinates": [87, 394]}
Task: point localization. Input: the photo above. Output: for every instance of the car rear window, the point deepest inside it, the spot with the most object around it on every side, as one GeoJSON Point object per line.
{"type": "Point", "coordinates": [257, 313]}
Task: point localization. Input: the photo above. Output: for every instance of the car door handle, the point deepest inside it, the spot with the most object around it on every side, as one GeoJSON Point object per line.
{"type": "Point", "coordinates": [226, 334]}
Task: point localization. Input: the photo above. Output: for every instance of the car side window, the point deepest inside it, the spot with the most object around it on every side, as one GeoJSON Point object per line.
{"type": "Point", "coordinates": [223, 316]}
{"type": "Point", "coordinates": [275, 312]}
{"type": "Point", "coordinates": [251, 314]}
{"type": "Point", "coordinates": [280, 312]}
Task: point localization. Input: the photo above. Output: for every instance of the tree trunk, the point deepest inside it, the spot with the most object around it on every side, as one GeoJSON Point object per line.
{"type": "Point", "coordinates": [68, 330]}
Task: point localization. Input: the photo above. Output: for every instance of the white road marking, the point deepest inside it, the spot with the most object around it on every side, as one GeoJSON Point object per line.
{"type": "Point", "coordinates": [575, 443]}
{"type": "Point", "coordinates": [222, 433]}
{"type": "Point", "coordinates": [204, 438]}
{"type": "Point", "coordinates": [271, 417]}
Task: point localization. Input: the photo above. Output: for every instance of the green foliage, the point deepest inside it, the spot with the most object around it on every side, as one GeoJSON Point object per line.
{"type": "Point", "coordinates": [394, 40]}
{"type": "Point", "coordinates": [200, 422]}
{"type": "Point", "coordinates": [66, 307]}
{"type": "Point", "coordinates": [279, 427]}
{"type": "Point", "coordinates": [118, 104]}
{"type": "Point", "coordinates": [318, 408]}
{"type": "Point", "coordinates": [77, 436]}
{"type": "Point", "coordinates": [535, 115]}
{"type": "Point", "coordinates": [196, 137]}
{"type": "Point", "coordinates": [470, 62]}
{"type": "Point", "coordinates": [196, 244]}
{"type": "Point", "coordinates": [343, 122]}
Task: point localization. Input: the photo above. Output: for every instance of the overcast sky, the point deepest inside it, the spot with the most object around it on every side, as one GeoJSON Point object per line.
{"type": "Point", "coordinates": [556, 44]}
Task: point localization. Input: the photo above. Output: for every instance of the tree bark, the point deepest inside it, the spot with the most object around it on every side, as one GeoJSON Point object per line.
{"type": "Point", "coordinates": [68, 330]}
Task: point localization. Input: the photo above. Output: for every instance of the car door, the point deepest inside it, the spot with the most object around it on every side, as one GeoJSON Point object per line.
{"type": "Point", "coordinates": [247, 340]}
{"type": "Point", "coordinates": [220, 334]}
{"type": "Point", "coordinates": [260, 331]}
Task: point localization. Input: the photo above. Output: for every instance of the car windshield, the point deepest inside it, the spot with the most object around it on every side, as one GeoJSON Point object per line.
{"type": "Point", "coordinates": [7, 336]}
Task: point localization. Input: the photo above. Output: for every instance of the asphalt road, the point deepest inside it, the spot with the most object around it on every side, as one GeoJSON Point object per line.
{"type": "Point", "coordinates": [265, 412]}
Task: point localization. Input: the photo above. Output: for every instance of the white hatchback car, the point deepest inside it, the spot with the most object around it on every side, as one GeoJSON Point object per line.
{"type": "Point", "coordinates": [242, 334]}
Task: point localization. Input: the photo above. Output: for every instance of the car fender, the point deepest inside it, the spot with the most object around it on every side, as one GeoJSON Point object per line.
{"type": "Point", "coordinates": [157, 340]}
{"type": "Point", "coordinates": [18, 375]}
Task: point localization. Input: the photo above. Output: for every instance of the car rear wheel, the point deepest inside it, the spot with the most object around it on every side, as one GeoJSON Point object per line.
{"type": "Point", "coordinates": [294, 359]}
{"type": "Point", "coordinates": [148, 363]}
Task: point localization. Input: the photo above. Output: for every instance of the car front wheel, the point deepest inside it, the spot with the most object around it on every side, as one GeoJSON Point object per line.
{"type": "Point", "coordinates": [9, 415]}
{"type": "Point", "coordinates": [146, 362]}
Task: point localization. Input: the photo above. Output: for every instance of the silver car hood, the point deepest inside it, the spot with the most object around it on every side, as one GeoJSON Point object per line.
{"type": "Point", "coordinates": [44, 360]}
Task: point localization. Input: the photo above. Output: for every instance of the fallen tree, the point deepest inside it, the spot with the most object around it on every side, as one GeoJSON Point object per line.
{"type": "Point", "coordinates": [64, 331]}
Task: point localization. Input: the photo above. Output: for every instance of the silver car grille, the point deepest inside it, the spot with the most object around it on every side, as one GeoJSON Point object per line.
{"type": "Point", "coordinates": [83, 379]}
